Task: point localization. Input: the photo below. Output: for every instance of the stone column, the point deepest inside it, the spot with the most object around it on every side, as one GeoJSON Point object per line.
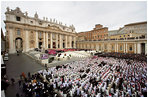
{"type": "Point", "coordinates": [108, 47]}
{"type": "Point", "coordinates": [51, 43]}
{"type": "Point", "coordinates": [117, 47]}
{"type": "Point", "coordinates": [135, 48]}
{"type": "Point", "coordinates": [103, 47]}
{"type": "Point", "coordinates": [61, 42]}
{"type": "Point", "coordinates": [97, 47]}
{"type": "Point", "coordinates": [27, 40]}
{"type": "Point", "coordinates": [124, 48]}
{"type": "Point", "coordinates": [46, 40]}
{"type": "Point", "coordinates": [57, 41]}
{"type": "Point", "coordinates": [139, 48]}
{"type": "Point", "coordinates": [83, 46]}
{"type": "Point", "coordinates": [86, 46]}
{"type": "Point", "coordinates": [74, 42]}
{"type": "Point", "coordinates": [43, 40]}
{"type": "Point", "coordinates": [37, 43]}
{"type": "Point", "coordinates": [70, 41]}
{"type": "Point", "coordinates": [66, 41]}
{"type": "Point", "coordinates": [146, 48]}
{"type": "Point", "coordinates": [11, 41]}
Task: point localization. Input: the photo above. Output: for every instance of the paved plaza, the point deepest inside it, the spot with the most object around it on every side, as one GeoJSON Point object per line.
{"type": "Point", "coordinates": [15, 66]}
{"type": "Point", "coordinates": [24, 63]}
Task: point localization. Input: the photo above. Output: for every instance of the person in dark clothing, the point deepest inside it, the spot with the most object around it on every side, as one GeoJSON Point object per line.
{"type": "Point", "coordinates": [17, 53]}
{"type": "Point", "coordinates": [4, 84]}
{"type": "Point", "coordinates": [29, 75]}
{"type": "Point", "coordinates": [46, 66]}
{"type": "Point", "coordinates": [21, 77]}
{"type": "Point", "coordinates": [20, 82]}
{"type": "Point", "coordinates": [12, 80]}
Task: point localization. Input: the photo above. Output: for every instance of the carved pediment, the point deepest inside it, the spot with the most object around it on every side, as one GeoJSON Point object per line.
{"type": "Point", "coordinates": [16, 12]}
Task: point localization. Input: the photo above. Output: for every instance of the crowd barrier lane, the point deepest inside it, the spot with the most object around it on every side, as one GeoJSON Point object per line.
{"type": "Point", "coordinates": [56, 91]}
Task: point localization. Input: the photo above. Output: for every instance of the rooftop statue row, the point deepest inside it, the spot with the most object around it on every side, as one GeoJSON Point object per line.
{"type": "Point", "coordinates": [18, 12]}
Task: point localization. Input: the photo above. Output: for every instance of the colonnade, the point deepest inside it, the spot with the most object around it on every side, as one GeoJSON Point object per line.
{"type": "Point", "coordinates": [122, 47]}
{"type": "Point", "coordinates": [60, 40]}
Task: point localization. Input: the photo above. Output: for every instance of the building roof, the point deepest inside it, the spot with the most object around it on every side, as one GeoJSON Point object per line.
{"type": "Point", "coordinates": [113, 31]}
{"type": "Point", "coordinates": [137, 23]}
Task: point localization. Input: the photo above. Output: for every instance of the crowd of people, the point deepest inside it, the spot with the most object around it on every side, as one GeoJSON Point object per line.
{"type": "Point", "coordinates": [97, 77]}
{"type": "Point", "coordinates": [35, 86]}
{"type": "Point", "coordinates": [139, 57]}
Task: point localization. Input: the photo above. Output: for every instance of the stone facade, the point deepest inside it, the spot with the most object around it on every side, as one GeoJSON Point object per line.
{"type": "Point", "coordinates": [123, 42]}
{"type": "Point", "coordinates": [129, 30]}
{"type": "Point", "coordinates": [139, 28]}
{"type": "Point", "coordinates": [98, 33]}
{"type": "Point", "coordinates": [122, 46]}
{"type": "Point", "coordinates": [24, 33]}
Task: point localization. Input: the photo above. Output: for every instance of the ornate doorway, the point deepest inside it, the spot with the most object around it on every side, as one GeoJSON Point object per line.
{"type": "Point", "coordinates": [19, 44]}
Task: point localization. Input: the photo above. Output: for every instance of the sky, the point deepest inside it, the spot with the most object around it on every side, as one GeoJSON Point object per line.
{"type": "Point", "coordinates": [83, 14]}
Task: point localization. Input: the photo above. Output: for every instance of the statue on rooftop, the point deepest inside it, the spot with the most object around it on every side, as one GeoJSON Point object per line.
{"type": "Point", "coordinates": [26, 13]}
{"type": "Point", "coordinates": [8, 9]}
{"type": "Point", "coordinates": [54, 20]}
{"type": "Point", "coordinates": [36, 15]}
{"type": "Point", "coordinates": [46, 19]}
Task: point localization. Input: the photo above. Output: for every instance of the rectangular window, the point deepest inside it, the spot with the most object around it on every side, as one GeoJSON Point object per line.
{"type": "Point", "coordinates": [18, 18]}
{"type": "Point", "coordinates": [31, 21]}
{"type": "Point", "coordinates": [18, 32]}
